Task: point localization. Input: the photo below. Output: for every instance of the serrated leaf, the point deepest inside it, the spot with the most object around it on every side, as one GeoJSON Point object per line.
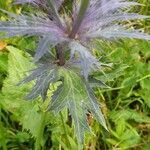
{"type": "Point", "coordinates": [145, 95]}
{"type": "Point", "coordinates": [129, 115]}
{"type": "Point", "coordinates": [129, 138]}
{"type": "Point", "coordinates": [86, 61]}
{"type": "Point", "coordinates": [120, 126]}
{"type": "Point", "coordinates": [12, 96]}
{"type": "Point", "coordinates": [118, 71]}
{"type": "Point", "coordinates": [74, 94]}
{"type": "Point", "coordinates": [18, 64]}
{"type": "Point", "coordinates": [44, 76]}
{"type": "Point", "coordinates": [94, 107]}
{"type": "Point", "coordinates": [3, 62]}
{"type": "Point", "coordinates": [71, 94]}
{"type": "Point", "coordinates": [97, 83]}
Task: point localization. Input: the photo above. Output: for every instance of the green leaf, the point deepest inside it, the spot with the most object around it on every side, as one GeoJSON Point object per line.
{"type": "Point", "coordinates": [115, 73]}
{"type": "Point", "coordinates": [120, 126]}
{"type": "Point", "coordinates": [3, 137]}
{"type": "Point", "coordinates": [94, 107]}
{"type": "Point", "coordinates": [118, 54]}
{"type": "Point", "coordinates": [129, 114]}
{"type": "Point", "coordinates": [97, 83]}
{"type": "Point", "coordinates": [77, 96]}
{"type": "Point", "coordinates": [12, 97]}
{"type": "Point", "coordinates": [3, 62]}
{"type": "Point", "coordinates": [111, 141]}
{"type": "Point", "coordinates": [129, 82]}
{"type": "Point", "coordinates": [72, 94]}
{"type": "Point", "coordinates": [22, 137]}
{"type": "Point", "coordinates": [129, 138]}
{"type": "Point", "coordinates": [146, 83]}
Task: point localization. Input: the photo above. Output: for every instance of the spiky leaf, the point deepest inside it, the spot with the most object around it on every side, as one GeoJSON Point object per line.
{"type": "Point", "coordinates": [78, 97]}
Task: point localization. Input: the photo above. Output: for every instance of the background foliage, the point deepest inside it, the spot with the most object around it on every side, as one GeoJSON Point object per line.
{"type": "Point", "coordinates": [126, 105]}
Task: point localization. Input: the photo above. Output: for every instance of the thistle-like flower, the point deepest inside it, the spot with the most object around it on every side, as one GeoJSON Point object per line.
{"type": "Point", "coordinates": [73, 35]}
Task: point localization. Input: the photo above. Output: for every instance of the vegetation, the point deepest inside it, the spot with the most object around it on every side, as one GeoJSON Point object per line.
{"type": "Point", "coordinates": [26, 125]}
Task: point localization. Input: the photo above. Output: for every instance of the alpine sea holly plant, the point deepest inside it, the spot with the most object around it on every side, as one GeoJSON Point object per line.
{"type": "Point", "coordinates": [64, 53]}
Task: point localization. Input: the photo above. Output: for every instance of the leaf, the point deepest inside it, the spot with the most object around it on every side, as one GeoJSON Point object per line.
{"type": "Point", "coordinates": [129, 138]}
{"type": "Point", "coordinates": [115, 73]}
{"type": "Point", "coordinates": [94, 107]}
{"type": "Point", "coordinates": [118, 32]}
{"type": "Point", "coordinates": [144, 93]}
{"type": "Point", "coordinates": [25, 1]}
{"type": "Point", "coordinates": [3, 62]}
{"type": "Point", "coordinates": [22, 137]}
{"type": "Point", "coordinates": [70, 96]}
{"type": "Point", "coordinates": [146, 83]}
{"type": "Point", "coordinates": [3, 137]}
{"type": "Point", "coordinates": [74, 94]}
{"type": "Point", "coordinates": [18, 64]}
{"type": "Point", "coordinates": [129, 82]}
{"type": "Point", "coordinates": [12, 96]}
{"type": "Point", "coordinates": [37, 25]}
{"type": "Point", "coordinates": [44, 76]}
{"type": "Point", "coordinates": [45, 45]}
{"type": "Point", "coordinates": [120, 126]}
{"type": "Point", "coordinates": [86, 60]}
{"type": "Point", "coordinates": [111, 141]}
{"type": "Point", "coordinates": [97, 83]}
{"type": "Point", "coordinates": [129, 114]}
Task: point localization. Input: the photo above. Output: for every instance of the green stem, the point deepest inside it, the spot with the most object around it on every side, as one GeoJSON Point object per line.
{"type": "Point", "coordinates": [40, 132]}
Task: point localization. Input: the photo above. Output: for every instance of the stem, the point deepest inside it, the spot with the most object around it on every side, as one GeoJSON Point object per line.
{"type": "Point", "coordinates": [60, 55]}
{"type": "Point", "coordinates": [79, 19]}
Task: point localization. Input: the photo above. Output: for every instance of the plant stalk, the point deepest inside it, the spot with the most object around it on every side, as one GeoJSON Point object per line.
{"type": "Point", "coordinates": [60, 55]}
